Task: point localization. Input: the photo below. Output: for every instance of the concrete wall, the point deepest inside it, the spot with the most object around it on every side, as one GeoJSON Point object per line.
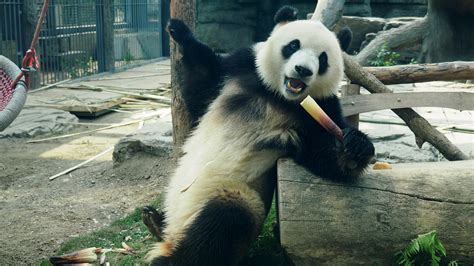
{"type": "Point", "coordinates": [230, 24]}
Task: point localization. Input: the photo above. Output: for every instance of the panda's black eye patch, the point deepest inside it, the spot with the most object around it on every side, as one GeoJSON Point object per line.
{"type": "Point", "coordinates": [323, 63]}
{"type": "Point", "coordinates": [290, 48]}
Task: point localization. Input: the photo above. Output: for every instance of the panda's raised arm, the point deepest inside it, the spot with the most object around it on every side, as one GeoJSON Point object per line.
{"type": "Point", "coordinates": [202, 70]}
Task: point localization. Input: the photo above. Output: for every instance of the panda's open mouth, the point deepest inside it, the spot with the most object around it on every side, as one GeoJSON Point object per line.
{"type": "Point", "coordinates": [295, 86]}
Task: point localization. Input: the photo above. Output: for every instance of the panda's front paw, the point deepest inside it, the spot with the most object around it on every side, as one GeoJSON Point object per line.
{"type": "Point", "coordinates": [355, 151]}
{"type": "Point", "coordinates": [179, 31]}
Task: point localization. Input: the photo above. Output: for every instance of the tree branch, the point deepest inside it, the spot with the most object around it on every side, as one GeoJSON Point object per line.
{"type": "Point", "coordinates": [421, 128]}
{"type": "Point", "coordinates": [423, 72]}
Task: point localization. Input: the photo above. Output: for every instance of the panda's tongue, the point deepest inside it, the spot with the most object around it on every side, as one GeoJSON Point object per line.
{"type": "Point", "coordinates": [295, 85]}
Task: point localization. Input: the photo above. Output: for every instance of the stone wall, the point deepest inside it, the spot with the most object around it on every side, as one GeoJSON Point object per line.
{"type": "Point", "coordinates": [230, 24]}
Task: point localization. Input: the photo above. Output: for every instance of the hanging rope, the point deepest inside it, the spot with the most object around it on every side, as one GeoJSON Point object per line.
{"type": "Point", "coordinates": [30, 61]}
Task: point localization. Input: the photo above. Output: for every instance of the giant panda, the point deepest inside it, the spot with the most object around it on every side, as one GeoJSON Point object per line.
{"type": "Point", "coordinates": [246, 113]}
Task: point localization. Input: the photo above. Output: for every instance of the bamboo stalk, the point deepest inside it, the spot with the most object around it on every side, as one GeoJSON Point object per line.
{"type": "Point", "coordinates": [81, 164]}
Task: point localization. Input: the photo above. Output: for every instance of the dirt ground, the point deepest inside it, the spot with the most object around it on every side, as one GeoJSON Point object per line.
{"type": "Point", "coordinates": [37, 215]}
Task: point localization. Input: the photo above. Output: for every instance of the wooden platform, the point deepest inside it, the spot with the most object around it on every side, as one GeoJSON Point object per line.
{"type": "Point", "coordinates": [82, 103]}
{"type": "Point", "coordinates": [365, 223]}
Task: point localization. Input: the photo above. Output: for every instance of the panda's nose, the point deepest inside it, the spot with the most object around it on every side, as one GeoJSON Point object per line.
{"type": "Point", "coordinates": [303, 71]}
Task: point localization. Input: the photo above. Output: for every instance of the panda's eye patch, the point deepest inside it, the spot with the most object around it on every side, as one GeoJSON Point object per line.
{"type": "Point", "coordinates": [323, 63]}
{"type": "Point", "coordinates": [290, 48]}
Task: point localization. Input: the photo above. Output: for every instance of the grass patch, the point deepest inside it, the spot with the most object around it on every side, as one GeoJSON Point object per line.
{"type": "Point", "coordinates": [265, 251]}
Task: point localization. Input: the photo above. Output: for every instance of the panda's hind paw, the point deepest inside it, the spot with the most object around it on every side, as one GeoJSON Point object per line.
{"type": "Point", "coordinates": [179, 31]}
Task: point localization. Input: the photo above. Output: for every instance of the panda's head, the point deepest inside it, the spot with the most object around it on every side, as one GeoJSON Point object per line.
{"type": "Point", "coordinates": [302, 58]}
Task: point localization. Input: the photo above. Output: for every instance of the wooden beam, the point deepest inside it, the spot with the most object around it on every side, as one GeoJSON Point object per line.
{"type": "Point", "coordinates": [357, 104]}
{"type": "Point", "coordinates": [447, 71]}
{"type": "Point", "coordinates": [367, 221]}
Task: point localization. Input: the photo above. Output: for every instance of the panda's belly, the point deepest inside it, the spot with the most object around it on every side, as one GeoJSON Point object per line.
{"type": "Point", "coordinates": [224, 153]}
{"type": "Point", "coordinates": [219, 155]}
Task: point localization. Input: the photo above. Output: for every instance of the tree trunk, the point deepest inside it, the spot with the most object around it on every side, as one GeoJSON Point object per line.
{"type": "Point", "coordinates": [184, 10]}
{"type": "Point", "coordinates": [450, 31]}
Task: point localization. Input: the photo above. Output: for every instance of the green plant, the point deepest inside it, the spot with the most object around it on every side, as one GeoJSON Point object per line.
{"type": "Point", "coordinates": [385, 57]}
{"type": "Point", "coordinates": [128, 58]}
{"type": "Point", "coordinates": [426, 249]}
{"type": "Point", "coordinates": [80, 66]}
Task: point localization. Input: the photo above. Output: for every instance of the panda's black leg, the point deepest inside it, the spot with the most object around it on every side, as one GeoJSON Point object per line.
{"type": "Point", "coordinates": [220, 235]}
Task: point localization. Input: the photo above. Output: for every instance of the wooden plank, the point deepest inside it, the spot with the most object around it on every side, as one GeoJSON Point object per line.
{"type": "Point", "coordinates": [357, 104]}
{"type": "Point", "coordinates": [79, 102]}
{"type": "Point", "coordinates": [350, 90]}
{"type": "Point", "coordinates": [446, 71]}
{"type": "Point", "coordinates": [366, 222]}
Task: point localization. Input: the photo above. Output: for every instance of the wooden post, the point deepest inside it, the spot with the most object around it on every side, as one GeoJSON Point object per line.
{"type": "Point", "coordinates": [105, 35]}
{"type": "Point", "coordinates": [184, 10]}
{"type": "Point", "coordinates": [365, 222]}
{"type": "Point", "coordinates": [349, 90]}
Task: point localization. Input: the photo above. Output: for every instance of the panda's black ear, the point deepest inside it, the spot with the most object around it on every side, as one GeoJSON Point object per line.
{"type": "Point", "coordinates": [345, 37]}
{"type": "Point", "coordinates": [285, 14]}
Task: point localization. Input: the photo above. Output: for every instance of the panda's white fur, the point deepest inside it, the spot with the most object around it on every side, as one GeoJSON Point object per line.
{"type": "Point", "coordinates": [230, 158]}
{"type": "Point", "coordinates": [273, 68]}
{"type": "Point", "coordinates": [219, 159]}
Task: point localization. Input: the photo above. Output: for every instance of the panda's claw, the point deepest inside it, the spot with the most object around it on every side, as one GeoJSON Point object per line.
{"type": "Point", "coordinates": [355, 151]}
{"type": "Point", "coordinates": [178, 30]}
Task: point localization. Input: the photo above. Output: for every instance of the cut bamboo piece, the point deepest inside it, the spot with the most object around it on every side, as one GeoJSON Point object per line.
{"type": "Point", "coordinates": [310, 105]}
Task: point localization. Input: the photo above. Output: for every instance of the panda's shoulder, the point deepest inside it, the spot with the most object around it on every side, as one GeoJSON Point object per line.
{"type": "Point", "coordinates": [241, 61]}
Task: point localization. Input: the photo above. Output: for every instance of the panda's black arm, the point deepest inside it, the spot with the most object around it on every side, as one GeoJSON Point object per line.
{"type": "Point", "coordinates": [328, 157]}
{"type": "Point", "coordinates": [202, 70]}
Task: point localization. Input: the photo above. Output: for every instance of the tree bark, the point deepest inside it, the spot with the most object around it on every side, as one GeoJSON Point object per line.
{"type": "Point", "coordinates": [394, 39]}
{"type": "Point", "coordinates": [421, 128]}
{"type": "Point", "coordinates": [423, 72]}
{"type": "Point", "coordinates": [329, 12]}
{"type": "Point", "coordinates": [450, 31]}
{"type": "Point", "coordinates": [184, 10]}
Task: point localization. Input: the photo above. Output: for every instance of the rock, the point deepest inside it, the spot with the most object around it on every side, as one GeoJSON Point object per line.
{"type": "Point", "coordinates": [226, 25]}
{"type": "Point", "coordinates": [32, 122]}
{"type": "Point", "coordinates": [357, 8]}
{"type": "Point", "coordinates": [368, 38]}
{"type": "Point", "coordinates": [398, 8]}
{"type": "Point", "coordinates": [153, 138]}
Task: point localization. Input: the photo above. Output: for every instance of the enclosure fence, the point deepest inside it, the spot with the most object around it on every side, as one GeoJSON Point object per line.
{"type": "Point", "coordinates": [84, 37]}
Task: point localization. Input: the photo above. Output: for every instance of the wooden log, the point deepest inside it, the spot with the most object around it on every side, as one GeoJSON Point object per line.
{"type": "Point", "coordinates": [357, 104]}
{"type": "Point", "coordinates": [367, 221]}
{"type": "Point", "coordinates": [447, 71]}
